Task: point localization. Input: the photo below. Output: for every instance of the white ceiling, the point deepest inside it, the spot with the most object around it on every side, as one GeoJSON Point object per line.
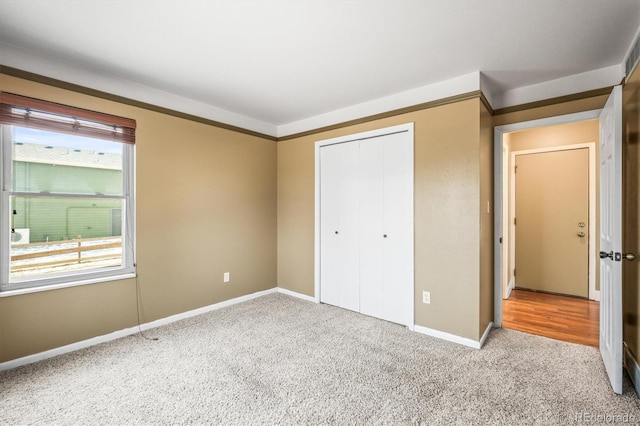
{"type": "Point", "coordinates": [279, 67]}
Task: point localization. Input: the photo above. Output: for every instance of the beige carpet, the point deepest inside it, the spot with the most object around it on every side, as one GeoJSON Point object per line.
{"type": "Point", "coordinates": [279, 360]}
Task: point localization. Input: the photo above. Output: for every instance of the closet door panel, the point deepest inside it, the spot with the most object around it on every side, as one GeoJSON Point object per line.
{"type": "Point", "coordinates": [372, 265]}
{"type": "Point", "coordinates": [339, 248]}
{"type": "Point", "coordinates": [397, 289]}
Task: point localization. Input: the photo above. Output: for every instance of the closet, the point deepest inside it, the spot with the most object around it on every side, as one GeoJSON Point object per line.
{"type": "Point", "coordinates": [365, 206]}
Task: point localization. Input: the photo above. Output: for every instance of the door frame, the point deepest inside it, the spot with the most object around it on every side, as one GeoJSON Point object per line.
{"type": "Point", "coordinates": [499, 193]}
{"type": "Point", "coordinates": [402, 128]}
{"type": "Point", "coordinates": [511, 242]}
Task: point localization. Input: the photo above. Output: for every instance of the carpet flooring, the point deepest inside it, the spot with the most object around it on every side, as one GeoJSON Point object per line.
{"type": "Point", "coordinates": [278, 360]}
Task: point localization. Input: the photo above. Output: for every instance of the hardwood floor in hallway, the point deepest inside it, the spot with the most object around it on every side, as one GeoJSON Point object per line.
{"type": "Point", "coordinates": [570, 319]}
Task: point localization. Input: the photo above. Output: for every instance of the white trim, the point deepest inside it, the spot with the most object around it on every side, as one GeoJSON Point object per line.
{"type": "Point", "coordinates": [498, 133]}
{"type": "Point", "coordinates": [83, 75]}
{"type": "Point", "coordinates": [550, 121]}
{"type": "Point", "coordinates": [27, 290]}
{"type": "Point", "coordinates": [498, 227]}
{"type": "Point", "coordinates": [316, 226]}
{"type": "Point", "coordinates": [92, 78]}
{"type": "Point", "coordinates": [591, 147]}
{"type": "Point", "coordinates": [407, 127]}
{"type": "Point", "coordinates": [511, 241]}
{"type": "Point", "coordinates": [576, 83]}
{"type": "Point", "coordinates": [510, 287]}
{"type": "Point", "coordinates": [507, 280]}
{"type": "Point", "coordinates": [29, 359]}
{"type": "Point", "coordinates": [443, 89]}
{"type": "Point", "coordinates": [5, 201]}
{"type": "Point", "coordinates": [485, 335]}
{"type": "Point", "coordinates": [56, 280]}
{"type": "Point", "coordinates": [205, 309]}
{"type": "Point", "coordinates": [60, 69]}
{"type": "Point", "coordinates": [631, 364]}
{"type": "Point", "coordinates": [454, 338]}
{"type": "Point", "coordinates": [296, 294]}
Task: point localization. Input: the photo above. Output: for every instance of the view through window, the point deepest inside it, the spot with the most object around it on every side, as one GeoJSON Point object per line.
{"type": "Point", "coordinates": [67, 203]}
{"type": "Point", "coordinates": [66, 210]}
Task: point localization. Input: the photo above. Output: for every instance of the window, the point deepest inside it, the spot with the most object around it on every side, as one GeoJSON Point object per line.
{"type": "Point", "coordinates": [66, 210]}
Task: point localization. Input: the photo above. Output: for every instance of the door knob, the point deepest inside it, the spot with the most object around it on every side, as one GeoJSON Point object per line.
{"type": "Point", "coordinates": [604, 255]}
{"type": "Point", "coordinates": [581, 224]}
{"type": "Point", "coordinates": [385, 235]}
{"type": "Point", "coordinates": [581, 234]}
{"type": "Point", "coordinates": [629, 256]}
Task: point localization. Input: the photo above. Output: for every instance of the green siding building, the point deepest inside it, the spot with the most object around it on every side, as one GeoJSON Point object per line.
{"type": "Point", "coordinates": [49, 171]}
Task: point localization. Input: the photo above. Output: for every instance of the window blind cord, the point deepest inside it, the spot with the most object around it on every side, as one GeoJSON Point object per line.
{"type": "Point", "coordinates": [138, 304]}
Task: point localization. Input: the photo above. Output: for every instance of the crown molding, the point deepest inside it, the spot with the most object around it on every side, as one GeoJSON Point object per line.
{"type": "Point", "coordinates": [57, 72]}
{"type": "Point", "coordinates": [396, 102]}
{"type": "Point", "coordinates": [53, 71]}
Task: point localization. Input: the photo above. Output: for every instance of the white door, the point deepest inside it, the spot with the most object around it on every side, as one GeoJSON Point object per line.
{"type": "Point", "coordinates": [372, 262]}
{"type": "Point", "coordinates": [611, 237]}
{"type": "Point", "coordinates": [339, 228]}
{"type": "Point", "coordinates": [386, 220]}
{"type": "Point", "coordinates": [364, 223]}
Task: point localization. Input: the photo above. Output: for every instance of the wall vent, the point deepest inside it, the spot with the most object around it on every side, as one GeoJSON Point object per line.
{"type": "Point", "coordinates": [633, 57]}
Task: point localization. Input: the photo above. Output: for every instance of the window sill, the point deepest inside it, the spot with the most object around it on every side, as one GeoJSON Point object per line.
{"type": "Point", "coordinates": [18, 292]}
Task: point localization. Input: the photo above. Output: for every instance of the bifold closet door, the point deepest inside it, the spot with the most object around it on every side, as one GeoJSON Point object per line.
{"type": "Point", "coordinates": [386, 227]}
{"type": "Point", "coordinates": [339, 228]}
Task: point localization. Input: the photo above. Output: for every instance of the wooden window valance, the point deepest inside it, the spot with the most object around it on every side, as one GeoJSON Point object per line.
{"type": "Point", "coordinates": [17, 110]}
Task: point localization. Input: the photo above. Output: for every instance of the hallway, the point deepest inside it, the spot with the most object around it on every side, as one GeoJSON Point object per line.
{"type": "Point", "coordinates": [570, 319]}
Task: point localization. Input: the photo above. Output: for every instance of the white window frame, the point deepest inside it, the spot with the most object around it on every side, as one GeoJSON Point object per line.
{"type": "Point", "coordinates": [9, 287]}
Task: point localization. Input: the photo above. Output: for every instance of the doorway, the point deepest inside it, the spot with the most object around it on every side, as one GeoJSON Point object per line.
{"type": "Point", "coordinates": [551, 219]}
{"type": "Point", "coordinates": [532, 259]}
{"type": "Point", "coordinates": [566, 318]}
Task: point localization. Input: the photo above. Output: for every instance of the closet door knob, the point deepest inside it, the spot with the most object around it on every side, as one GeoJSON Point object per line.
{"type": "Point", "coordinates": [385, 235]}
{"type": "Point", "coordinates": [336, 232]}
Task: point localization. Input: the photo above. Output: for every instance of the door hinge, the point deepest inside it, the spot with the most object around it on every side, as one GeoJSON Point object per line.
{"type": "Point", "coordinates": [514, 272]}
{"type": "Point", "coordinates": [515, 169]}
{"type": "Point", "coordinates": [514, 220]}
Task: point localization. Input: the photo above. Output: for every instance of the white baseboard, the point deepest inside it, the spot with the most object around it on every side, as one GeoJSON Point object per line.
{"type": "Point", "coordinates": [296, 294]}
{"type": "Point", "coordinates": [486, 334]}
{"type": "Point", "coordinates": [454, 338]}
{"type": "Point", "coordinates": [631, 364]}
{"type": "Point", "coordinates": [29, 359]}
{"type": "Point", "coordinates": [510, 287]}
{"type": "Point", "coordinates": [204, 309]}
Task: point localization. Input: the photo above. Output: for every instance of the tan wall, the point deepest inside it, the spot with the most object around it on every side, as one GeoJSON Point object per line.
{"type": "Point", "coordinates": [486, 219]}
{"type": "Point", "coordinates": [631, 209]}
{"type": "Point", "coordinates": [587, 104]}
{"type": "Point", "coordinates": [206, 204]}
{"type": "Point", "coordinates": [219, 188]}
{"type": "Point", "coordinates": [447, 204]}
{"type": "Point", "coordinates": [551, 136]}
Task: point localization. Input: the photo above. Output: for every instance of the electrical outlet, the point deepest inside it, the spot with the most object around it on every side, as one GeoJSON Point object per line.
{"type": "Point", "coordinates": [426, 297]}
{"type": "Point", "coordinates": [227, 277]}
